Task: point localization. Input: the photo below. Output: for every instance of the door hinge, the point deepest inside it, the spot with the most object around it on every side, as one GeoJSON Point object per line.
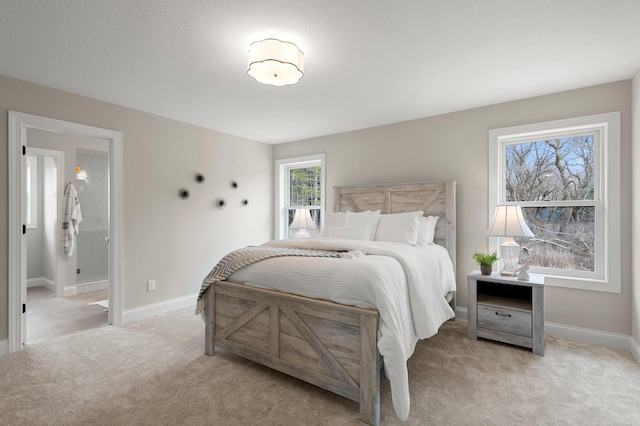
{"type": "Point", "coordinates": [24, 308]}
{"type": "Point", "coordinates": [24, 150]}
{"type": "Point", "coordinates": [24, 229]}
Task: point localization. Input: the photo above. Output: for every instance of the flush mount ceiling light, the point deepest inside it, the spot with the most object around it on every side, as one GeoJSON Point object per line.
{"type": "Point", "coordinates": [275, 62]}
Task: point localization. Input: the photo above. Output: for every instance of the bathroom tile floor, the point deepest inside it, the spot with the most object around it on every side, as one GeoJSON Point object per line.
{"type": "Point", "coordinates": [50, 317]}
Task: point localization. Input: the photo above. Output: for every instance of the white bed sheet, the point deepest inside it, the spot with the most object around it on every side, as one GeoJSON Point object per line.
{"type": "Point", "coordinates": [406, 284]}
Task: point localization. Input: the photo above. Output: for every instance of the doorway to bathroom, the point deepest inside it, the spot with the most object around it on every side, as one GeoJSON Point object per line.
{"type": "Point", "coordinates": [83, 147]}
{"type": "Point", "coordinates": [66, 292]}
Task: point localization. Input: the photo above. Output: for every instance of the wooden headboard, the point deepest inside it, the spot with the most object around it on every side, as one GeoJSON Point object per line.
{"type": "Point", "coordinates": [435, 198]}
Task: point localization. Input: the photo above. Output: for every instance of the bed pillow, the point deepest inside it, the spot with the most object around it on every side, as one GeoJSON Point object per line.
{"type": "Point", "coordinates": [348, 232]}
{"type": "Point", "coordinates": [427, 230]}
{"type": "Point", "coordinates": [367, 218]}
{"type": "Point", "coordinates": [335, 219]}
{"type": "Point", "coordinates": [332, 220]}
{"type": "Point", "coordinates": [399, 227]}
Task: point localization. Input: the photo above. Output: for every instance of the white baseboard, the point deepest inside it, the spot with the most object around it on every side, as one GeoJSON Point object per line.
{"type": "Point", "coordinates": [41, 281]}
{"type": "Point", "coordinates": [92, 286]}
{"type": "Point", "coordinates": [159, 308]}
{"type": "Point", "coordinates": [584, 335]}
{"type": "Point", "coordinates": [72, 290]}
{"type": "Point", "coordinates": [4, 347]}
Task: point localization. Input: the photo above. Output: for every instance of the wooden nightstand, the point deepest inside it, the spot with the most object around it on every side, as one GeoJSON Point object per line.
{"type": "Point", "coordinates": [507, 310]}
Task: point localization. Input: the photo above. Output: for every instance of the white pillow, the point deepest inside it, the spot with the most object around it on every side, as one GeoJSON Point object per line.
{"type": "Point", "coordinates": [348, 232]}
{"type": "Point", "coordinates": [335, 219]}
{"type": "Point", "coordinates": [399, 227]}
{"type": "Point", "coordinates": [427, 230]}
{"type": "Point", "coordinates": [367, 218]}
{"type": "Point", "coordinates": [331, 220]}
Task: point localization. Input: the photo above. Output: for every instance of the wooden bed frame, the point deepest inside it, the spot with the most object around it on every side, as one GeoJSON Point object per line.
{"type": "Point", "coordinates": [329, 345]}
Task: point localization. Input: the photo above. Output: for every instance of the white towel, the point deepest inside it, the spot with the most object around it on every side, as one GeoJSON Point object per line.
{"type": "Point", "coordinates": [71, 218]}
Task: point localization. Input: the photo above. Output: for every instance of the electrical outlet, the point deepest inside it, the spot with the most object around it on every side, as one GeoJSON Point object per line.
{"type": "Point", "coordinates": [151, 285]}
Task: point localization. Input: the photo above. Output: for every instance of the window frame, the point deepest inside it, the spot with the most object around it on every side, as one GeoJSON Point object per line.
{"type": "Point", "coordinates": [607, 275]}
{"type": "Point", "coordinates": [283, 166]}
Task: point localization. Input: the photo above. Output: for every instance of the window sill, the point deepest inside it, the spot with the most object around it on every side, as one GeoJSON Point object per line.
{"type": "Point", "coordinates": [582, 283]}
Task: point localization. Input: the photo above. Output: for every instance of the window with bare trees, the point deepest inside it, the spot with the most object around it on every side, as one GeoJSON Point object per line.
{"type": "Point", "coordinates": [554, 181]}
{"type": "Point", "coordinates": [565, 176]}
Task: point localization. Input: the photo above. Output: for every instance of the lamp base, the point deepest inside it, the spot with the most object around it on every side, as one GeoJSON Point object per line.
{"type": "Point", "coordinates": [510, 251]}
{"type": "Point", "coordinates": [302, 233]}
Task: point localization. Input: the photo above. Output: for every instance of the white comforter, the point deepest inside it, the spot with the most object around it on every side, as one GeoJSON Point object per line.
{"type": "Point", "coordinates": [405, 284]}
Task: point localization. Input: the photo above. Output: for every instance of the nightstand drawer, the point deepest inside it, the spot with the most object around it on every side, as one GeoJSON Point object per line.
{"type": "Point", "coordinates": [505, 320]}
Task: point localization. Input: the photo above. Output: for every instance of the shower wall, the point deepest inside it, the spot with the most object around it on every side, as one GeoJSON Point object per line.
{"type": "Point", "coordinates": [93, 195]}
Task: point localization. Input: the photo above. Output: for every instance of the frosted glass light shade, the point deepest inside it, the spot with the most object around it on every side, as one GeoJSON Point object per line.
{"type": "Point", "coordinates": [81, 175]}
{"type": "Point", "coordinates": [275, 62]}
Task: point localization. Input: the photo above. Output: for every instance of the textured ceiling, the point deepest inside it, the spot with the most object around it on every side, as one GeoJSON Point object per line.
{"type": "Point", "coordinates": [367, 62]}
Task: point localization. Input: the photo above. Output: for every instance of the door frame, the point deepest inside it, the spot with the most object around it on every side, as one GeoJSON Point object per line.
{"type": "Point", "coordinates": [18, 124]}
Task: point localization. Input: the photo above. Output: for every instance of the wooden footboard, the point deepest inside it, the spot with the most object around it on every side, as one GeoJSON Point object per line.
{"type": "Point", "coordinates": [326, 344]}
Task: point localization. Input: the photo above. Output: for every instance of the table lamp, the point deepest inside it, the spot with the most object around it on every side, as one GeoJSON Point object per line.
{"type": "Point", "coordinates": [508, 221]}
{"type": "Point", "coordinates": [302, 221]}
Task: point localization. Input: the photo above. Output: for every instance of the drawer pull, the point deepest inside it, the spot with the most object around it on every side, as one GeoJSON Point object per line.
{"type": "Point", "coordinates": [503, 315]}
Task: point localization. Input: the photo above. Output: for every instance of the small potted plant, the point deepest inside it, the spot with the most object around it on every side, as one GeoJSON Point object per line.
{"type": "Point", "coordinates": [485, 261]}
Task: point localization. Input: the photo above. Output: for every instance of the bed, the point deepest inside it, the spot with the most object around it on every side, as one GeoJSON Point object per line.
{"type": "Point", "coordinates": [330, 345]}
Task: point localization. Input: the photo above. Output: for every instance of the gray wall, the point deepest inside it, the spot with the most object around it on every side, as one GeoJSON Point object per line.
{"type": "Point", "coordinates": [93, 195]}
{"type": "Point", "coordinates": [174, 241]}
{"type": "Point", "coordinates": [455, 146]}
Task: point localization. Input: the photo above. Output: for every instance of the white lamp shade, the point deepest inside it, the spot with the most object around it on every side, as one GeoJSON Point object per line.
{"type": "Point", "coordinates": [275, 62]}
{"type": "Point", "coordinates": [508, 221]}
{"type": "Point", "coordinates": [302, 220]}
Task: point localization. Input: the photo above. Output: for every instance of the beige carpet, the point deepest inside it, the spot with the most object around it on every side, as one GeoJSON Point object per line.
{"type": "Point", "coordinates": [154, 372]}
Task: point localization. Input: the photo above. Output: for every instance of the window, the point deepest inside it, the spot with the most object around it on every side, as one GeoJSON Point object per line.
{"type": "Point", "coordinates": [565, 176]}
{"type": "Point", "coordinates": [31, 185]}
{"type": "Point", "coordinates": [300, 184]}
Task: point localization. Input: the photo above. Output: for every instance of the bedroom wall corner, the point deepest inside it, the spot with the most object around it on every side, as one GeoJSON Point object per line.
{"type": "Point", "coordinates": [635, 246]}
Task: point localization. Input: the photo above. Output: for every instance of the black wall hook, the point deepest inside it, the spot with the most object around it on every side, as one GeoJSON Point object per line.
{"type": "Point", "coordinates": [245, 202]}
{"type": "Point", "coordinates": [199, 178]}
{"type": "Point", "coordinates": [234, 184]}
{"type": "Point", "coordinates": [184, 194]}
{"type": "Point", "coordinates": [220, 203]}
